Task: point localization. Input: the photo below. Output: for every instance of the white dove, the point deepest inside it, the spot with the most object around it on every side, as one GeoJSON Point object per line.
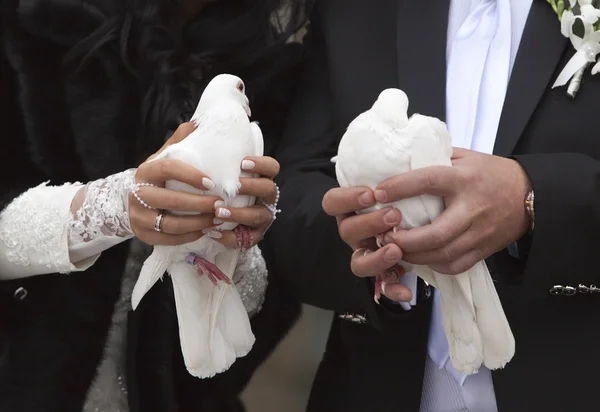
{"type": "Point", "coordinates": [383, 142]}
{"type": "Point", "coordinates": [214, 328]}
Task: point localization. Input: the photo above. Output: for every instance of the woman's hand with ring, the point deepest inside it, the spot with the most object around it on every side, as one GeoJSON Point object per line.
{"type": "Point", "coordinates": [151, 177]}
{"type": "Point", "coordinates": [256, 218]}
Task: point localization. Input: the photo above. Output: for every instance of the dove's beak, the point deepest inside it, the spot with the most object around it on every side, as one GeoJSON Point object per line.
{"type": "Point", "coordinates": [247, 108]}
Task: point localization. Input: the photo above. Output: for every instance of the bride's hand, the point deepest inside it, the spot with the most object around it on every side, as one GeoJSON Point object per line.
{"type": "Point", "coordinates": [257, 218]}
{"type": "Point", "coordinates": [172, 230]}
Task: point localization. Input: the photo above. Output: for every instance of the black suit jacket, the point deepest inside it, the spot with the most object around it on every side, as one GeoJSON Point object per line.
{"type": "Point", "coordinates": [358, 48]}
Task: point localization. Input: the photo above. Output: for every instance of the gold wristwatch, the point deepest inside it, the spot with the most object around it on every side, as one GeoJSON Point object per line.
{"type": "Point", "coordinates": [529, 208]}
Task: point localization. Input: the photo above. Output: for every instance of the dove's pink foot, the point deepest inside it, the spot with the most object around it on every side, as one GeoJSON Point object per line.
{"type": "Point", "coordinates": [378, 288]}
{"type": "Point", "coordinates": [204, 267]}
{"type": "Point", "coordinates": [244, 235]}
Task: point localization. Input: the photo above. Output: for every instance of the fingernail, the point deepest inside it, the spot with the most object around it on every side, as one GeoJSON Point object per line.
{"type": "Point", "coordinates": [391, 218]}
{"type": "Point", "coordinates": [207, 183]}
{"type": "Point", "coordinates": [217, 221]}
{"type": "Point", "coordinates": [366, 199]}
{"type": "Point", "coordinates": [392, 255]}
{"type": "Point", "coordinates": [215, 234]}
{"type": "Point", "coordinates": [219, 203]}
{"type": "Point", "coordinates": [222, 212]}
{"type": "Point", "coordinates": [248, 165]}
{"type": "Point", "coordinates": [380, 196]}
{"type": "Point", "coordinates": [403, 297]}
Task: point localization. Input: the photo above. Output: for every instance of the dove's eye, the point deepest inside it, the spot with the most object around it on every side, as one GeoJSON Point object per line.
{"type": "Point", "coordinates": [240, 87]}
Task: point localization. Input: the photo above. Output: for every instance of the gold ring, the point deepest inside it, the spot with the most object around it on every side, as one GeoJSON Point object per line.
{"type": "Point", "coordinates": [158, 222]}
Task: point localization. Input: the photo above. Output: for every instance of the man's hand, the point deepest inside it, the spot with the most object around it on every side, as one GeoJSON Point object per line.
{"type": "Point", "coordinates": [359, 232]}
{"type": "Point", "coordinates": [484, 197]}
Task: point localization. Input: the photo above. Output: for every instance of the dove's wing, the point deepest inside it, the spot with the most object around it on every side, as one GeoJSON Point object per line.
{"type": "Point", "coordinates": [431, 147]}
{"type": "Point", "coordinates": [257, 138]}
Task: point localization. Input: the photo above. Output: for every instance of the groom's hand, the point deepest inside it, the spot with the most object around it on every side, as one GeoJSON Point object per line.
{"type": "Point", "coordinates": [359, 232]}
{"type": "Point", "coordinates": [484, 213]}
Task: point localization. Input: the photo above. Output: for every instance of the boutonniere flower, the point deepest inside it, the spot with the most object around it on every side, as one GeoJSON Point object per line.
{"type": "Point", "coordinates": [580, 23]}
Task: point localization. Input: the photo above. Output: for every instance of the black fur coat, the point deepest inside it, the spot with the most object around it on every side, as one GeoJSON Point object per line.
{"type": "Point", "coordinates": [81, 122]}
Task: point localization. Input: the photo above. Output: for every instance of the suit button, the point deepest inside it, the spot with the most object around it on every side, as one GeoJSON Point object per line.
{"type": "Point", "coordinates": [20, 294]}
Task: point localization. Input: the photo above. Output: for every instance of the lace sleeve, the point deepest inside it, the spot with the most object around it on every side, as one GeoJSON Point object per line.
{"type": "Point", "coordinates": [63, 228]}
{"type": "Point", "coordinates": [99, 216]}
{"type": "Point", "coordinates": [250, 278]}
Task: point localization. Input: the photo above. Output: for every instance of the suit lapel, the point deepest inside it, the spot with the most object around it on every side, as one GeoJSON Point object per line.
{"type": "Point", "coordinates": [542, 46]}
{"type": "Point", "coordinates": [421, 43]}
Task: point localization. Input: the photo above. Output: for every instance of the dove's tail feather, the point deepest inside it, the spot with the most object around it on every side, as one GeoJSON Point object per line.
{"type": "Point", "coordinates": [230, 332]}
{"type": "Point", "coordinates": [458, 317]}
{"type": "Point", "coordinates": [153, 269]}
{"type": "Point", "coordinates": [192, 300]}
{"type": "Point", "coordinates": [497, 337]}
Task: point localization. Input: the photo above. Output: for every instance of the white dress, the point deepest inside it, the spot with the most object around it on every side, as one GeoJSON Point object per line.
{"type": "Point", "coordinates": [65, 228]}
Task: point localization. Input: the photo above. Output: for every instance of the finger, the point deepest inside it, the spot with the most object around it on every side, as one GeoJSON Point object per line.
{"type": "Point", "coordinates": [143, 219]}
{"type": "Point", "coordinates": [460, 265]}
{"type": "Point", "coordinates": [458, 152]}
{"type": "Point", "coordinates": [262, 165]}
{"type": "Point", "coordinates": [436, 180]}
{"type": "Point", "coordinates": [179, 225]}
{"type": "Point", "coordinates": [174, 200]}
{"type": "Point", "coordinates": [341, 201]}
{"type": "Point", "coordinates": [355, 228]}
{"type": "Point", "coordinates": [162, 170]}
{"type": "Point", "coordinates": [448, 253]}
{"type": "Point", "coordinates": [152, 237]}
{"type": "Point", "coordinates": [453, 222]}
{"type": "Point", "coordinates": [262, 188]}
{"type": "Point", "coordinates": [397, 292]}
{"type": "Point", "coordinates": [370, 263]}
{"type": "Point", "coordinates": [254, 216]}
{"type": "Point", "coordinates": [181, 133]}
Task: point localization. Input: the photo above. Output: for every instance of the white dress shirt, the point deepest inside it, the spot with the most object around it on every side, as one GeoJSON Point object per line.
{"type": "Point", "coordinates": [483, 39]}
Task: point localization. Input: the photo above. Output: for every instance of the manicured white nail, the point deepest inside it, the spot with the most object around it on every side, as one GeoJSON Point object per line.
{"type": "Point", "coordinates": [222, 212]}
{"type": "Point", "coordinates": [219, 203]}
{"type": "Point", "coordinates": [217, 221]}
{"type": "Point", "coordinates": [207, 183]}
{"type": "Point", "coordinates": [248, 165]}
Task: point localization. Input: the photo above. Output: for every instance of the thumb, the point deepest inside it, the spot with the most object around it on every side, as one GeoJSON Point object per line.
{"type": "Point", "coordinates": [181, 133]}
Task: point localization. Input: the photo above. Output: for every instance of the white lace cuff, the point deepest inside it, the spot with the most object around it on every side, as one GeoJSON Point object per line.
{"type": "Point", "coordinates": [64, 228]}
{"type": "Point", "coordinates": [100, 216]}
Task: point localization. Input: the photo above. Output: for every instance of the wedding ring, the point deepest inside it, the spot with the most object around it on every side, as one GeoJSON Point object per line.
{"type": "Point", "coordinates": [158, 222]}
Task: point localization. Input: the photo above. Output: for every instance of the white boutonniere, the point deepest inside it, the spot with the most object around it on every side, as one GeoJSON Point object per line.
{"type": "Point", "coordinates": [580, 23]}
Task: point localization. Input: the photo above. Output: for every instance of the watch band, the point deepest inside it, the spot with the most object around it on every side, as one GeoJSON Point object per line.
{"type": "Point", "coordinates": [530, 208]}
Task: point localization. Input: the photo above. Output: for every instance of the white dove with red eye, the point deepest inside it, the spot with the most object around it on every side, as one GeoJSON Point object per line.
{"type": "Point", "coordinates": [214, 327]}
